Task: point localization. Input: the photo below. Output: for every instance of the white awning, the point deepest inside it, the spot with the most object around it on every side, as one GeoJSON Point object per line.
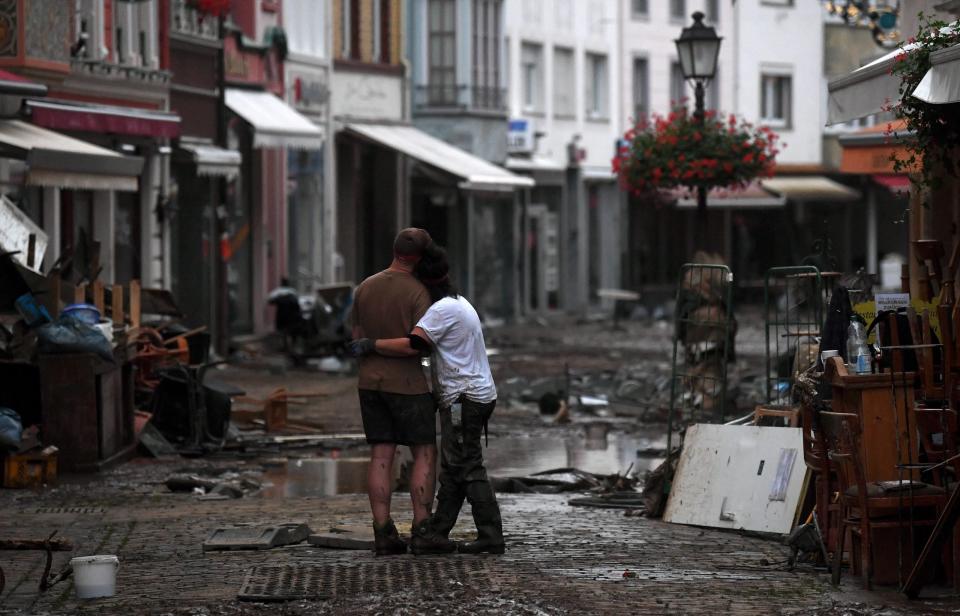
{"type": "Point", "coordinates": [752, 196]}
{"type": "Point", "coordinates": [474, 172]}
{"type": "Point", "coordinates": [864, 91]}
{"type": "Point", "coordinates": [534, 164]}
{"type": "Point", "coordinates": [64, 162]}
{"type": "Point", "coordinates": [598, 174]}
{"type": "Point", "coordinates": [275, 123]}
{"type": "Point", "coordinates": [941, 84]}
{"type": "Point", "coordinates": [810, 188]}
{"type": "Point", "coordinates": [212, 160]}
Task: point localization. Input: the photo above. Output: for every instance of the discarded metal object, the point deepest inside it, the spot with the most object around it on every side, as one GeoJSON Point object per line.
{"type": "Point", "coordinates": [49, 546]}
{"type": "Point", "coordinates": [256, 538]}
{"type": "Point", "coordinates": [344, 538]}
{"type": "Point", "coordinates": [424, 577]}
{"type": "Point", "coordinates": [793, 315]}
{"type": "Point", "coordinates": [616, 500]}
{"type": "Point", "coordinates": [702, 345]}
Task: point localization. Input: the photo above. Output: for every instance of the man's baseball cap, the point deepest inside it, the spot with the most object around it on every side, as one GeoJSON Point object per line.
{"type": "Point", "coordinates": [410, 244]}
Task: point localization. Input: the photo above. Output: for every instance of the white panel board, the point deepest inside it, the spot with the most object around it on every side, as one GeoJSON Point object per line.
{"type": "Point", "coordinates": [15, 231]}
{"type": "Point", "coordinates": [739, 477]}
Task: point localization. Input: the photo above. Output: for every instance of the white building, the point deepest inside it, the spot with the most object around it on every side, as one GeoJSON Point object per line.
{"type": "Point", "coordinates": [563, 57]}
{"type": "Point", "coordinates": [769, 73]}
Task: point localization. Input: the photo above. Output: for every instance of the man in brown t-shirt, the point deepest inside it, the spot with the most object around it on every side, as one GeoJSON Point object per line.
{"type": "Point", "coordinates": [395, 401]}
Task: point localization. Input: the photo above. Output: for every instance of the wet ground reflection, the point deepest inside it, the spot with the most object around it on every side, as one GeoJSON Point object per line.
{"type": "Point", "coordinates": [595, 449]}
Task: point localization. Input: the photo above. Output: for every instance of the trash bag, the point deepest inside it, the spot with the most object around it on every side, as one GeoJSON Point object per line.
{"type": "Point", "coordinates": [72, 336]}
{"type": "Point", "coordinates": [11, 430]}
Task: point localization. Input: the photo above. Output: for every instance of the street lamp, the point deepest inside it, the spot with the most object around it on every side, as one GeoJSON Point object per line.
{"type": "Point", "coordinates": [698, 48]}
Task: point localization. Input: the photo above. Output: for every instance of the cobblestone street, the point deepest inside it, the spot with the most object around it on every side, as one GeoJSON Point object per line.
{"type": "Point", "coordinates": [560, 559]}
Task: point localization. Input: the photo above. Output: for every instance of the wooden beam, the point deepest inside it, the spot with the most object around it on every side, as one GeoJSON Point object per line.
{"type": "Point", "coordinates": [135, 303]}
{"type": "Point", "coordinates": [80, 293]}
{"type": "Point", "coordinates": [98, 296]}
{"type": "Point", "coordinates": [116, 303]}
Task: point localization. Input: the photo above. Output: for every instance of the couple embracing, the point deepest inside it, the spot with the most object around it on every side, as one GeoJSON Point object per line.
{"type": "Point", "coordinates": [409, 310]}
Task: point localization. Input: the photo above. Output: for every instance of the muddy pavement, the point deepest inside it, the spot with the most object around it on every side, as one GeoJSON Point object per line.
{"type": "Point", "coordinates": [560, 560]}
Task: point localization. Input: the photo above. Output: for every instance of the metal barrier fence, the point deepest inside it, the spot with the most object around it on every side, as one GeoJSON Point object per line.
{"type": "Point", "coordinates": [702, 343]}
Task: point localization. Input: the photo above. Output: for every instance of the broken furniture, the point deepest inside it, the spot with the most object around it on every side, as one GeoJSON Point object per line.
{"type": "Point", "coordinates": [49, 546]}
{"type": "Point", "coordinates": [30, 469]}
{"type": "Point", "coordinates": [875, 512]}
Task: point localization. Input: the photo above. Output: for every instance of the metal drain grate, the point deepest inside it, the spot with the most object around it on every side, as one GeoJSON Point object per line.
{"type": "Point", "coordinates": [425, 577]}
{"type": "Point", "coordinates": [70, 510]}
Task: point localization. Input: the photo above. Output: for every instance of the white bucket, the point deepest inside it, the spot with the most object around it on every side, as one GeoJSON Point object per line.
{"type": "Point", "coordinates": [95, 576]}
{"type": "Point", "coordinates": [105, 326]}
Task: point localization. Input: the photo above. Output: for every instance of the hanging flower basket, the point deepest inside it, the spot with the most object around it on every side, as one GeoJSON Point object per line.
{"type": "Point", "coordinates": [211, 8]}
{"type": "Point", "coordinates": [931, 151]}
{"type": "Point", "coordinates": [678, 151]}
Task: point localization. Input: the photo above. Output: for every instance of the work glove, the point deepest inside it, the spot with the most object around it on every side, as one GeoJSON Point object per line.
{"type": "Point", "coordinates": [361, 347]}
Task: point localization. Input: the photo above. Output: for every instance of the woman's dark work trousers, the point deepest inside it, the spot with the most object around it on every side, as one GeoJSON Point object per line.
{"type": "Point", "coordinates": [463, 476]}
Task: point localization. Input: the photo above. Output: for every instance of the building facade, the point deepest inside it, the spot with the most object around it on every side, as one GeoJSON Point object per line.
{"type": "Point", "coordinates": [563, 59]}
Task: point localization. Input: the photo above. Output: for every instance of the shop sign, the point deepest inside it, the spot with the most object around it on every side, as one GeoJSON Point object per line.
{"type": "Point", "coordinates": [362, 95]}
{"type": "Point", "coordinates": [310, 91]}
{"type": "Point", "coordinates": [891, 301]}
{"type": "Point", "coordinates": [520, 137]}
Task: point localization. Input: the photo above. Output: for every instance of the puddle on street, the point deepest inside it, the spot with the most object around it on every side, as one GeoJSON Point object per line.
{"type": "Point", "coordinates": [317, 477]}
{"type": "Point", "coordinates": [595, 449]}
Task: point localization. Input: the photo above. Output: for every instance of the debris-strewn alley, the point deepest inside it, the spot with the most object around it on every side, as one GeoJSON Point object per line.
{"type": "Point", "coordinates": [560, 558]}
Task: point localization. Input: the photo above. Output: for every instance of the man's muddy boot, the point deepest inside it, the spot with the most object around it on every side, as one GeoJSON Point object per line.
{"type": "Point", "coordinates": [425, 540]}
{"type": "Point", "coordinates": [386, 540]}
{"type": "Point", "coordinates": [486, 515]}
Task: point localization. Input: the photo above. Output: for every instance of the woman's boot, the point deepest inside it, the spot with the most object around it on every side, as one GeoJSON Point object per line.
{"type": "Point", "coordinates": [386, 539]}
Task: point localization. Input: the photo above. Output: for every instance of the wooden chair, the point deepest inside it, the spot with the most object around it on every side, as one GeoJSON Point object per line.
{"type": "Point", "coordinates": [824, 478]}
{"type": "Point", "coordinates": [937, 429]}
{"type": "Point", "coordinates": [868, 507]}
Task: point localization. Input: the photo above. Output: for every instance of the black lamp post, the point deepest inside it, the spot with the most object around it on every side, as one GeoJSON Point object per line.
{"type": "Point", "coordinates": [698, 48]}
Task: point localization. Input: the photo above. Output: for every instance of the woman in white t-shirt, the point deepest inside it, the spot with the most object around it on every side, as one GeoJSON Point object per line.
{"type": "Point", "coordinates": [466, 394]}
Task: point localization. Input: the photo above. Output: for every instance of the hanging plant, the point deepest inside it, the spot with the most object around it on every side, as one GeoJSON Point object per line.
{"type": "Point", "coordinates": [678, 151]}
{"type": "Point", "coordinates": [931, 151]}
{"type": "Point", "coordinates": [211, 8]}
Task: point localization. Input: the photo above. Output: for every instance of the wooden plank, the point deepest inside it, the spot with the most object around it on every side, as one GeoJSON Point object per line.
{"type": "Point", "coordinates": [923, 568]}
{"type": "Point", "coordinates": [80, 293]}
{"type": "Point", "coordinates": [98, 296]}
{"type": "Point", "coordinates": [134, 303]}
{"type": "Point", "coordinates": [116, 301]}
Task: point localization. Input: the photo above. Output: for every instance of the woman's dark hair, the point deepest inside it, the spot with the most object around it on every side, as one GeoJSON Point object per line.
{"type": "Point", "coordinates": [433, 270]}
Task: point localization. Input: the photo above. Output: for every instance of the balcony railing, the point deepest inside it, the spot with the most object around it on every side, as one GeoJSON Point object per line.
{"type": "Point", "coordinates": [460, 96]}
{"type": "Point", "coordinates": [187, 20]}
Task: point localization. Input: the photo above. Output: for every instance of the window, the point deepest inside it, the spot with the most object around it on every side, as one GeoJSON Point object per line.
{"type": "Point", "coordinates": [442, 52]}
{"type": "Point", "coordinates": [383, 36]}
{"type": "Point", "coordinates": [641, 89]}
{"type": "Point", "coordinates": [712, 9]}
{"type": "Point", "coordinates": [564, 75]}
{"type": "Point", "coordinates": [350, 29]}
{"type": "Point", "coordinates": [640, 9]}
{"type": "Point", "coordinates": [595, 75]}
{"type": "Point", "coordinates": [678, 86]}
{"type": "Point", "coordinates": [305, 24]}
{"type": "Point", "coordinates": [775, 99]}
{"type": "Point", "coordinates": [486, 54]}
{"type": "Point", "coordinates": [531, 73]}
{"type": "Point", "coordinates": [375, 38]}
{"type": "Point", "coordinates": [777, 2]}
{"type": "Point", "coordinates": [678, 9]}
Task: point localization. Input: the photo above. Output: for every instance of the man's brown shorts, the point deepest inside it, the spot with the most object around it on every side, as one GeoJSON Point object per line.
{"type": "Point", "coordinates": [398, 418]}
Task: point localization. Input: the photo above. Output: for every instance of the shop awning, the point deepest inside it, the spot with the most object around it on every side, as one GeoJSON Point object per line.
{"type": "Point", "coordinates": [211, 160]}
{"type": "Point", "coordinates": [81, 117]}
{"type": "Point", "coordinates": [275, 123]}
{"type": "Point", "coordinates": [810, 188]}
{"type": "Point", "coordinates": [896, 183]}
{"type": "Point", "coordinates": [11, 83]}
{"type": "Point", "coordinates": [533, 164]}
{"type": "Point", "coordinates": [598, 174]}
{"type": "Point", "coordinates": [871, 150]}
{"type": "Point", "coordinates": [474, 172]}
{"type": "Point", "coordinates": [864, 91]}
{"type": "Point", "coordinates": [753, 196]}
{"type": "Point", "coordinates": [58, 160]}
{"type": "Point", "coordinates": [941, 84]}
